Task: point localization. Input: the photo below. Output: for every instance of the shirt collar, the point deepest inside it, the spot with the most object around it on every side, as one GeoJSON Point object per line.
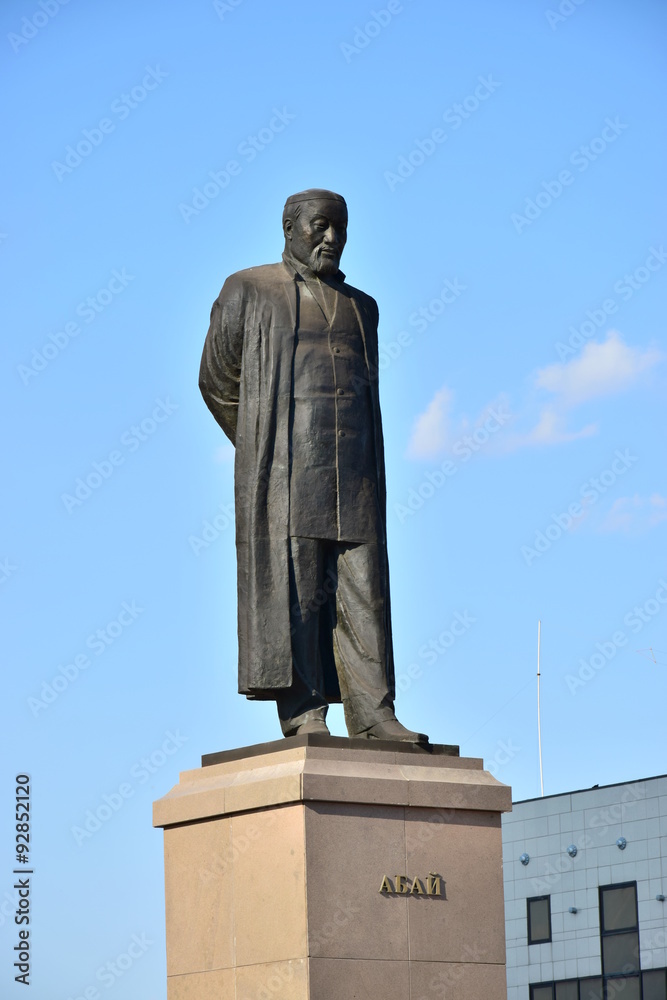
{"type": "Point", "coordinates": [305, 272]}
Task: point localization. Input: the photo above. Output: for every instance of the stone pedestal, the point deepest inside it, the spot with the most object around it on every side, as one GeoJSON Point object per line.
{"type": "Point", "coordinates": [275, 858]}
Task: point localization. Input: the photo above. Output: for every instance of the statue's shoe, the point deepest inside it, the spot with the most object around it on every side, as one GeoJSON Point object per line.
{"type": "Point", "coordinates": [392, 730]}
{"type": "Point", "coordinates": [313, 726]}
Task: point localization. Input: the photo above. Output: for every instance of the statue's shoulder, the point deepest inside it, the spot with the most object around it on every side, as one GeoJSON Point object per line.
{"type": "Point", "coordinates": [365, 300]}
{"type": "Point", "coordinates": [261, 276]}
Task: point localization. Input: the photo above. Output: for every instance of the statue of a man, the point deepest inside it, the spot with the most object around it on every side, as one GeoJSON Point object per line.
{"type": "Point", "coordinates": [289, 371]}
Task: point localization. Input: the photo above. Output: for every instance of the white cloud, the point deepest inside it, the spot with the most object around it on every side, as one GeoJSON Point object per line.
{"type": "Point", "coordinates": [550, 429]}
{"type": "Point", "coordinates": [635, 513]}
{"type": "Point", "coordinates": [432, 428]}
{"type": "Point", "coordinates": [436, 431]}
{"type": "Point", "coordinates": [600, 370]}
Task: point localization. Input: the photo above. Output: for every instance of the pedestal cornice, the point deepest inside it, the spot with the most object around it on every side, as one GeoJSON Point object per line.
{"type": "Point", "coordinates": [303, 769]}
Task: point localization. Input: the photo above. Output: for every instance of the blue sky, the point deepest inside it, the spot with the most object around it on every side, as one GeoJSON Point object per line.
{"type": "Point", "coordinates": [504, 171]}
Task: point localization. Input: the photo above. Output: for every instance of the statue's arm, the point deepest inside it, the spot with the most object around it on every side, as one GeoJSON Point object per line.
{"type": "Point", "coordinates": [220, 371]}
{"type": "Point", "coordinates": [370, 308]}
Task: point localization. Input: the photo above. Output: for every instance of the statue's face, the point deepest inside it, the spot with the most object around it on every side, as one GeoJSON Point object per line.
{"type": "Point", "coordinates": [318, 235]}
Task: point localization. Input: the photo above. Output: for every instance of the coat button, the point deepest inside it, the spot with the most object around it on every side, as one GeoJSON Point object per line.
{"type": "Point", "coordinates": [336, 350]}
{"type": "Point", "coordinates": [341, 434]}
{"type": "Point", "coordinates": [341, 392]}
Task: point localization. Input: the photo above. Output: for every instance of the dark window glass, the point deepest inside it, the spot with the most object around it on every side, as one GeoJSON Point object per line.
{"type": "Point", "coordinates": [542, 992]}
{"type": "Point", "coordinates": [590, 989]}
{"type": "Point", "coordinates": [620, 953]}
{"type": "Point", "coordinates": [654, 984]}
{"type": "Point", "coordinates": [619, 908]}
{"type": "Point", "coordinates": [568, 990]}
{"type": "Point", "coordinates": [623, 989]}
{"type": "Point", "coordinates": [539, 919]}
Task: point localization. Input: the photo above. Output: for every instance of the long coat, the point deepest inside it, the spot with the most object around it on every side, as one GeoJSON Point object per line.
{"type": "Point", "coordinates": [246, 382]}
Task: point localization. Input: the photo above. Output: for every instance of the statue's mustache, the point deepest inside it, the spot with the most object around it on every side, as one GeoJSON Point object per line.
{"type": "Point", "coordinates": [329, 251]}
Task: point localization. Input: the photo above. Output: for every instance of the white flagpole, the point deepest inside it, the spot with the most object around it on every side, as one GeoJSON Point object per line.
{"type": "Point", "coordinates": [539, 727]}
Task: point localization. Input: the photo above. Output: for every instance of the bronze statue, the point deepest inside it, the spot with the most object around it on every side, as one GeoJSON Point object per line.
{"type": "Point", "coordinates": [289, 371]}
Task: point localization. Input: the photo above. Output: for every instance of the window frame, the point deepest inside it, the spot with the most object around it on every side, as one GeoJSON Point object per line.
{"type": "Point", "coordinates": [564, 982]}
{"type": "Point", "coordinates": [541, 986]}
{"type": "Point", "coordinates": [645, 971]}
{"type": "Point", "coordinates": [618, 885]}
{"type": "Point", "coordinates": [607, 934]}
{"type": "Point", "coordinates": [531, 940]}
{"type": "Point", "coordinates": [585, 979]}
{"type": "Point", "coordinates": [551, 985]}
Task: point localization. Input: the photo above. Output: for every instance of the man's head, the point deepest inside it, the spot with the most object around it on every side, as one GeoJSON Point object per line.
{"type": "Point", "coordinates": [315, 228]}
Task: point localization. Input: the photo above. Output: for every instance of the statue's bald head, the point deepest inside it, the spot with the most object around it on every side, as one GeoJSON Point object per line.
{"type": "Point", "coordinates": [315, 228]}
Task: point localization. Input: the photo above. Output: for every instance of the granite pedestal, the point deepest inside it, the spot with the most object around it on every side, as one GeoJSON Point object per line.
{"type": "Point", "coordinates": [321, 868]}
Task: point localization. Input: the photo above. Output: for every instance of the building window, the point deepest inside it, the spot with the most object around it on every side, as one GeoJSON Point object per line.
{"type": "Point", "coordinates": [567, 990]}
{"type": "Point", "coordinates": [620, 954]}
{"type": "Point", "coordinates": [590, 988]}
{"type": "Point", "coordinates": [539, 920]}
{"type": "Point", "coordinates": [619, 930]}
{"type": "Point", "coordinates": [654, 987]}
{"type": "Point", "coordinates": [618, 907]}
{"type": "Point", "coordinates": [654, 984]}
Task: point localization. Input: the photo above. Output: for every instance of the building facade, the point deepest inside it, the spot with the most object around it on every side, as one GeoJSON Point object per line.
{"type": "Point", "coordinates": [585, 878]}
